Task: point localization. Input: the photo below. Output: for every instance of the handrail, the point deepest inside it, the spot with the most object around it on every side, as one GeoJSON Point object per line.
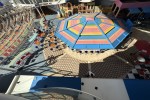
{"type": "Point", "coordinates": [70, 89]}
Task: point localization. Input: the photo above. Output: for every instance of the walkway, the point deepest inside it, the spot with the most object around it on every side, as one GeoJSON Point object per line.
{"type": "Point", "coordinates": [92, 57]}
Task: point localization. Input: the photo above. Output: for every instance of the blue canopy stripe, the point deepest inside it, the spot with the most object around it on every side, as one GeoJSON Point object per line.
{"type": "Point", "coordinates": [93, 37]}
{"type": "Point", "coordinates": [110, 33]}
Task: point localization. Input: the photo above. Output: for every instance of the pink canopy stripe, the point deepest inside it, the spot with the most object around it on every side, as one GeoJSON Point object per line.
{"type": "Point", "coordinates": [90, 19]}
{"type": "Point", "coordinates": [67, 36]}
{"type": "Point", "coordinates": [89, 41]}
{"type": "Point", "coordinates": [116, 35]}
{"type": "Point", "coordinates": [91, 30]}
{"type": "Point", "coordinates": [61, 26]}
{"type": "Point", "coordinates": [76, 29]}
{"type": "Point", "coordinates": [106, 28]}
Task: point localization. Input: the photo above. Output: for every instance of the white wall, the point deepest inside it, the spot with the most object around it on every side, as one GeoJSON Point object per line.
{"type": "Point", "coordinates": [108, 89]}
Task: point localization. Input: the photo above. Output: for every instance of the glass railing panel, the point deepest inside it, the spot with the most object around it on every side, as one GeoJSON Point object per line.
{"type": "Point", "coordinates": [22, 1]}
{"type": "Point", "coordinates": [39, 1]}
{"type": "Point", "coordinates": [27, 1]}
{"type": "Point", "coordinates": [45, 1]}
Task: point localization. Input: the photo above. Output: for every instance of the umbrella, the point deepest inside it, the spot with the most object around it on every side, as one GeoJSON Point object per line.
{"type": "Point", "coordinates": [143, 45]}
{"type": "Point", "coordinates": [91, 31]}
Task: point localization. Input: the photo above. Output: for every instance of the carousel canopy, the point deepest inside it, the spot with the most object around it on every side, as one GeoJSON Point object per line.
{"type": "Point", "coordinates": [91, 31]}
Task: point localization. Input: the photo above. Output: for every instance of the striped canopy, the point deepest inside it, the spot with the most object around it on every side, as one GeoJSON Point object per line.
{"type": "Point", "coordinates": [91, 31]}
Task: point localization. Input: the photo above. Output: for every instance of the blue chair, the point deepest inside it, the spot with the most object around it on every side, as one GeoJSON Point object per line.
{"type": "Point", "coordinates": [134, 11]}
{"type": "Point", "coordinates": [1, 4]}
{"type": "Point", "coordinates": [129, 25]}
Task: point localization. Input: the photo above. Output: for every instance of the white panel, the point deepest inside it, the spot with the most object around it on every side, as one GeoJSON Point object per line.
{"type": "Point", "coordinates": [108, 89]}
{"type": "Point", "coordinates": [23, 85]}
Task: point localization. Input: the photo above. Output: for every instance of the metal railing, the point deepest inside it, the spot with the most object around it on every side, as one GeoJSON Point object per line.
{"type": "Point", "coordinates": [55, 92]}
